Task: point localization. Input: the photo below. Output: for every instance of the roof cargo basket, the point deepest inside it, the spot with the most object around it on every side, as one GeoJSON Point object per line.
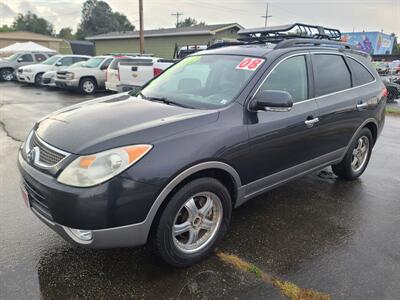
{"type": "Point", "coordinates": [276, 34]}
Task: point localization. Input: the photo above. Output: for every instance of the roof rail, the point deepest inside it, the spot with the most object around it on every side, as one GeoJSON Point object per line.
{"type": "Point", "coordinates": [276, 34]}
{"type": "Point", "coordinates": [311, 42]}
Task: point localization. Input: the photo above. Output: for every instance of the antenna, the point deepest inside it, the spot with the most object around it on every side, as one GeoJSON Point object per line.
{"type": "Point", "coordinates": [177, 14]}
{"type": "Point", "coordinates": [266, 16]}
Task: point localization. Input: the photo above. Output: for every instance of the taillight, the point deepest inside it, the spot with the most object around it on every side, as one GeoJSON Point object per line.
{"type": "Point", "coordinates": [157, 71]}
{"type": "Point", "coordinates": [385, 92]}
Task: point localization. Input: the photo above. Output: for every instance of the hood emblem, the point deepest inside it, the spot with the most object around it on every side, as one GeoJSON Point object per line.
{"type": "Point", "coordinates": [33, 154]}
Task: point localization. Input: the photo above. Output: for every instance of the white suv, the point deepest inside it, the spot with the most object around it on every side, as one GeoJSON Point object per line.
{"type": "Point", "coordinates": [34, 73]}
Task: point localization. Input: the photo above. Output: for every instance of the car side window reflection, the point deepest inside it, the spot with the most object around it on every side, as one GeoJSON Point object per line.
{"type": "Point", "coordinates": [290, 76]}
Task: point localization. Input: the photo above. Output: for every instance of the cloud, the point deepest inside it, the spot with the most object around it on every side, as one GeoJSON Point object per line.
{"type": "Point", "coordinates": [7, 14]}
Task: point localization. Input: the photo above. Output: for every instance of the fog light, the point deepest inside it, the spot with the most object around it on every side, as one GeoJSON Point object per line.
{"type": "Point", "coordinates": [83, 235]}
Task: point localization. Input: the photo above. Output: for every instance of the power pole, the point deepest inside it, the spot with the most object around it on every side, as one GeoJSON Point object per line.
{"type": "Point", "coordinates": [141, 26]}
{"type": "Point", "coordinates": [266, 16]}
{"type": "Point", "coordinates": [177, 14]}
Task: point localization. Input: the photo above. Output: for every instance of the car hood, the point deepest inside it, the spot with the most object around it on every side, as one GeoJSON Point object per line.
{"type": "Point", "coordinates": [117, 120]}
{"type": "Point", "coordinates": [38, 67]}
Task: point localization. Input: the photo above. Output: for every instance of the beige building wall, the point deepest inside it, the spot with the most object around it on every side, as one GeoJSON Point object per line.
{"type": "Point", "coordinates": [9, 38]}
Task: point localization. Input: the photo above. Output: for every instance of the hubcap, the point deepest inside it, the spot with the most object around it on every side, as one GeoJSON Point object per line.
{"type": "Point", "coordinates": [88, 86]}
{"type": "Point", "coordinates": [7, 75]}
{"type": "Point", "coordinates": [360, 154]}
{"type": "Point", "coordinates": [197, 222]}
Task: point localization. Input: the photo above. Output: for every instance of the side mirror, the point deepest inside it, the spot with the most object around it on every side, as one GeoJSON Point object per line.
{"type": "Point", "coordinates": [59, 63]}
{"type": "Point", "coordinates": [20, 59]}
{"type": "Point", "coordinates": [270, 100]}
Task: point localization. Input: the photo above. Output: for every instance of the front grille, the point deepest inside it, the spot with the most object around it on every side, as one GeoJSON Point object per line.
{"type": "Point", "coordinates": [37, 201]}
{"type": "Point", "coordinates": [61, 74]}
{"type": "Point", "coordinates": [47, 155]}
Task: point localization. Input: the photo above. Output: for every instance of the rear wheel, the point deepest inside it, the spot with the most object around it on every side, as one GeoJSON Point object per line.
{"type": "Point", "coordinates": [6, 74]}
{"type": "Point", "coordinates": [87, 86]}
{"type": "Point", "coordinates": [193, 222]}
{"type": "Point", "coordinates": [357, 157]}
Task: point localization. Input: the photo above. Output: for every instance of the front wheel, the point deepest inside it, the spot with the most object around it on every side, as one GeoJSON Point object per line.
{"type": "Point", "coordinates": [87, 86]}
{"type": "Point", "coordinates": [194, 221]}
{"type": "Point", "coordinates": [38, 79]}
{"type": "Point", "coordinates": [357, 157]}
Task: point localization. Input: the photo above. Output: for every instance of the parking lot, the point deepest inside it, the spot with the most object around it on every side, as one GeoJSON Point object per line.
{"type": "Point", "coordinates": [340, 239]}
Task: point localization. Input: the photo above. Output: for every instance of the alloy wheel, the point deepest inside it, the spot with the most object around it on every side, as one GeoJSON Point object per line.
{"type": "Point", "coordinates": [197, 222]}
{"type": "Point", "coordinates": [360, 154]}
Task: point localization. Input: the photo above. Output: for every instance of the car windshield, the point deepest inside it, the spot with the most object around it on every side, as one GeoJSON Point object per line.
{"type": "Point", "coordinates": [12, 57]}
{"type": "Point", "coordinates": [202, 81]}
{"type": "Point", "coordinates": [77, 64]}
{"type": "Point", "coordinates": [51, 60]}
{"type": "Point", "coordinates": [94, 62]}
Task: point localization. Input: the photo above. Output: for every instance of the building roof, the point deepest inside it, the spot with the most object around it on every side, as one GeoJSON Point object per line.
{"type": "Point", "coordinates": [27, 36]}
{"type": "Point", "coordinates": [193, 30]}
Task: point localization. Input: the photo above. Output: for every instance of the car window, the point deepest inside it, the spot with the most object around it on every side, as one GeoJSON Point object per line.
{"type": "Point", "coordinates": [79, 58]}
{"type": "Point", "coordinates": [363, 76]}
{"type": "Point", "coordinates": [331, 74]}
{"type": "Point", "coordinates": [26, 57]}
{"type": "Point", "coordinates": [114, 63]}
{"type": "Point", "coordinates": [203, 81]}
{"type": "Point", "coordinates": [106, 64]}
{"type": "Point", "coordinates": [66, 61]}
{"type": "Point", "coordinates": [51, 60]}
{"type": "Point", "coordinates": [290, 76]}
{"type": "Point", "coordinates": [40, 57]}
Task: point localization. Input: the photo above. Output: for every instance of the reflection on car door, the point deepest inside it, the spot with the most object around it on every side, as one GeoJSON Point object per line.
{"type": "Point", "coordinates": [283, 140]}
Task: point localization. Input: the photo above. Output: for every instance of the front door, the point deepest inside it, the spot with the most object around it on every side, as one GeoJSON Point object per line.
{"type": "Point", "coordinates": [284, 140]}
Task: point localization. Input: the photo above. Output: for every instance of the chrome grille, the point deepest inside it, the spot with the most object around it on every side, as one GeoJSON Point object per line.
{"type": "Point", "coordinates": [47, 156]}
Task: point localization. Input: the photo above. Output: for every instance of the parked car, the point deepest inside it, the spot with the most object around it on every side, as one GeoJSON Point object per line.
{"type": "Point", "coordinates": [9, 65]}
{"type": "Point", "coordinates": [49, 78]}
{"type": "Point", "coordinates": [133, 74]}
{"type": "Point", "coordinates": [169, 163]}
{"type": "Point", "coordinates": [87, 79]}
{"type": "Point", "coordinates": [112, 73]}
{"type": "Point", "coordinates": [34, 73]}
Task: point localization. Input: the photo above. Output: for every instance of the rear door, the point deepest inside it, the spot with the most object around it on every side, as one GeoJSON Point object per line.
{"type": "Point", "coordinates": [337, 101]}
{"type": "Point", "coordinates": [284, 140]}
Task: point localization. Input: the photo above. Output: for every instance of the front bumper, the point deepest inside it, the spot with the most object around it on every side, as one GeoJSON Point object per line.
{"type": "Point", "coordinates": [25, 77]}
{"type": "Point", "coordinates": [65, 84]}
{"type": "Point", "coordinates": [115, 211]}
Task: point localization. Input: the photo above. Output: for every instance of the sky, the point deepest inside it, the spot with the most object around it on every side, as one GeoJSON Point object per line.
{"type": "Point", "coordinates": [350, 15]}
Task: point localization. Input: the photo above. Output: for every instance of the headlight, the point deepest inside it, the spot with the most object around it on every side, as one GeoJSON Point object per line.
{"type": "Point", "coordinates": [69, 75]}
{"type": "Point", "coordinates": [94, 169]}
{"type": "Point", "coordinates": [27, 70]}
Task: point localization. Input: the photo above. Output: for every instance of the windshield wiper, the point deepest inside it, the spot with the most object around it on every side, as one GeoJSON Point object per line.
{"type": "Point", "coordinates": [163, 100]}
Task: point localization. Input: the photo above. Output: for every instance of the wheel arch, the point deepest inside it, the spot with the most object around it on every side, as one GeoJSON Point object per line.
{"type": "Point", "coordinates": [215, 169]}
{"type": "Point", "coordinates": [88, 77]}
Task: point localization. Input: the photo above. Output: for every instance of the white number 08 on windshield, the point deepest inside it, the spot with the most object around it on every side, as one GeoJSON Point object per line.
{"type": "Point", "coordinates": [250, 64]}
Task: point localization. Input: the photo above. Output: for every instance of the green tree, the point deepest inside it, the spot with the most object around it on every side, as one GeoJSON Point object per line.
{"type": "Point", "coordinates": [66, 33]}
{"type": "Point", "coordinates": [5, 28]}
{"type": "Point", "coordinates": [188, 22]}
{"type": "Point", "coordinates": [31, 22]}
{"type": "Point", "coordinates": [98, 17]}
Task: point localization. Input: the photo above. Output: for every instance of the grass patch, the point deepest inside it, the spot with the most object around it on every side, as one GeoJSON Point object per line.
{"type": "Point", "coordinates": [392, 111]}
{"type": "Point", "coordinates": [288, 289]}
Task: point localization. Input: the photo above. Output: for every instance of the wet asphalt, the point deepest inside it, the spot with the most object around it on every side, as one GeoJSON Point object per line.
{"type": "Point", "coordinates": [339, 238]}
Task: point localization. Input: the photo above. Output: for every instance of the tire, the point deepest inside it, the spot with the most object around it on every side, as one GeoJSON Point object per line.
{"type": "Point", "coordinates": [356, 160]}
{"type": "Point", "coordinates": [6, 74]}
{"type": "Point", "coordinates": [38, 79]}
{"type": "Point", "coordinates": [176, 248]}
{"type": "Point", "coordinates": [87, 86]}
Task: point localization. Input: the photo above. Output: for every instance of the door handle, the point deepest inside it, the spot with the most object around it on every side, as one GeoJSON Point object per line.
{"type": "Point", "coordinates": [310, 123]}
{"type": "Point", "coordinates": [362, 106]}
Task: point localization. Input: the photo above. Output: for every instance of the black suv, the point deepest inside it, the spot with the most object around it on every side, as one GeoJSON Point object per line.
{"type": "Point", "coordinates": [167, 164]}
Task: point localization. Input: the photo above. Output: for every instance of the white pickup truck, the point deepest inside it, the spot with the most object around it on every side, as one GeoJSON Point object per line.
{"type": "Point", "coordinates": [133, 74]}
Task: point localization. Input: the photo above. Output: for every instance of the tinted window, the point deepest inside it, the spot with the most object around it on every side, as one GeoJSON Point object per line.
{"type": "Point", "coordinates": [362, 75]}
{"type": "Point", "coordinates": [290, 76]}
{"type": "Point", "coordinates": [26, 57]}
{"type": "Point", "coordinates": [40, 57]}
{"type": "Point", "coordinates": [331, 74]}
{"type": "Point", "coordinates": [78, 59]}
{"type": "Point", "coordinates": [106, 64]}
{"type": "Point", "coordinates": [66, 61]}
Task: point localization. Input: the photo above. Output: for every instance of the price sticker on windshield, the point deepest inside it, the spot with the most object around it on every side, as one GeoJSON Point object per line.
{"type": "Point", "coordinates": [250, 64]}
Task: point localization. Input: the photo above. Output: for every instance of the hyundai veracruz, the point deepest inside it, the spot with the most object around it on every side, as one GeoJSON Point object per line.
{"type": "Point", "coordinates": [167, 165]}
